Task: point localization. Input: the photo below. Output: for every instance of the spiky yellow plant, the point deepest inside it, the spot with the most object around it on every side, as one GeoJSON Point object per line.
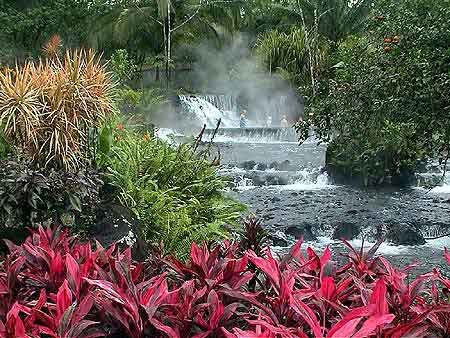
{"type": "Point", "coordinates": [52, 46]}
{"type": "Point", "coordinates": [47, 108]}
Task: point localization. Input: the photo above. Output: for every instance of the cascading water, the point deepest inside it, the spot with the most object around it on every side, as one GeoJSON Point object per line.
{"type": "Point", "coordinates": [222, 102]}
{"type": "Point", "coordinates": [203, 112]}
{"type": "Point", "coordinates": [284, 184]}
{"type": "Point", "coordinates": [253, 135]}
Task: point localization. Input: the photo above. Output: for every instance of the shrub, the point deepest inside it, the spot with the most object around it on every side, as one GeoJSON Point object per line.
{"type": "Point", "coordinates": [175, 191]}
{"type": "Point", "coordinates": [4, 147]}
{"type": "Point", "coordinates": [48, 108]}
{"type": "Point", "coordinates": [388, 89]}
{"type": "Point", "coordinates": [53, 285]}
{"type": "Point", "coordinates": [29, 197]}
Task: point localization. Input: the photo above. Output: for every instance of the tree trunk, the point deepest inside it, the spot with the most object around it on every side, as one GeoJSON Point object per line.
{"type": "Point", "coordinates": [168, 44]}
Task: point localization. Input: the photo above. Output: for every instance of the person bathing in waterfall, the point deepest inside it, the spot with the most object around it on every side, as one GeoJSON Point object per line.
{"type": "Point", "coordinates": [284, 122]}
{"type": "Point", "coordinates": [243, 119]}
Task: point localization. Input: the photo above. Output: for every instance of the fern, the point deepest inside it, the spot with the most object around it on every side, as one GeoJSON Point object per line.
{"type": "Point", "coordinates": [176, 194]}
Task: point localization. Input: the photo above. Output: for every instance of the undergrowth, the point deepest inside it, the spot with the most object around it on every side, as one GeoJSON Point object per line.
{"type": "Point", "coordinates": [55, 286]}
{"type": "Point", "coordinates": [175, 191]}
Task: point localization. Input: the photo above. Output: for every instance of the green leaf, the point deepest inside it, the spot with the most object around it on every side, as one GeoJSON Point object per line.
{"type": "Point", "coordinates": [105, 140]}
{"type": "Point", "coordinates": [75, 202]}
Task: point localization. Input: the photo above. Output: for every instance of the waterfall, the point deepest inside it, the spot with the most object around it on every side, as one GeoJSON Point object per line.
{"type": "Point", "coordinates": [202, 111]}
{"type": "Point", "coordinates": [222, 102]}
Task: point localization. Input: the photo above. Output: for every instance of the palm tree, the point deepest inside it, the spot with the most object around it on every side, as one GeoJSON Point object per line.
{"type": "Point", "coordinates": [171, 21]}
{"type": "Point", "coordinates": [284, 52]}
{"type": "Point", "coordinates": [337, 19]}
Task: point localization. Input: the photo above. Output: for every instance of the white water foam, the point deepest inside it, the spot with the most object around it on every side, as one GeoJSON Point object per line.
{"type": "Point", "coordinates": [385, 249]}
{"type": "Point", "coordinates": [167, 134]}
{"type": "Point", "coordinates": [245, 184]}
{"type": "Point", "coordinates": [308, 180]}
{"type": "Point", "coordinates": [442, 188]}
{"type": "Point", "coordinates": [248, 140]}
{"type": "Point", "coordinates": [206, 113]}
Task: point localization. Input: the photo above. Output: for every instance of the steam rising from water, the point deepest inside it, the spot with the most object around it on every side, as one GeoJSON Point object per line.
{"type": "Point", "coordinates": [235, 74]}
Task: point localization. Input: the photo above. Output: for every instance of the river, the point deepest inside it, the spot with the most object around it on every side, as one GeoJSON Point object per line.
{"type": "Point", "coordinates": [283, 183]}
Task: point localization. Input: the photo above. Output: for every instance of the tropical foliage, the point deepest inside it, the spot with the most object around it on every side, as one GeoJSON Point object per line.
{"type": "Point", "coordinates": [27, 25]}
{"type": "Point", "coordinates": [174, 190]}
{"type": "Point", "coordinates": [55, 286]}
{"type": "Point", "coordinates": [385, 99]}
{"type": "Point", "coordinates": [47, 109]}
{"type": "Point", "coordinates": [29, 197]}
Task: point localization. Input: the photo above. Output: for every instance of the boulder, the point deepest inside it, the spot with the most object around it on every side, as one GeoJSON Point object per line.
{"type": "Point", "coordinates": [284, 166]}
{"type": "Point", "coordinates": [280, 242]}
{"type": "Point", "coordinates": [117, 224]}
{"type": "Point", "coordinates": [346, 230]}
{"type": "Point", "coordinates": [302, 230]}
{"type": "Point", "coordinates": [261, 166]}
{"type": "Point", "coordinates": [248, 165]}
{"type": "Point", "coordinates": [404, 234]}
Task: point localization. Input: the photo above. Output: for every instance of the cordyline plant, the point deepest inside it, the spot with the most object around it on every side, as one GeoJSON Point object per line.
{"type": "Point", "coordinates": [47, 108]}
{"type": "Point", "coordinates": [55, 286]}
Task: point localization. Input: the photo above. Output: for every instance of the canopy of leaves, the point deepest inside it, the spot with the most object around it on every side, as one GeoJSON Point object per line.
{"type": "Point", "coordinates": [395, 76]}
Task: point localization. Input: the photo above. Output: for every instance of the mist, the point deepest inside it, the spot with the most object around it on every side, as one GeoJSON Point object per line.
{"type": "Point", "coordinates": [234, 70]}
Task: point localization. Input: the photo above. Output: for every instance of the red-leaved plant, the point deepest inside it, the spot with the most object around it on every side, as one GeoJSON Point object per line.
{"type": "Point", "coordinates": [54, 286]}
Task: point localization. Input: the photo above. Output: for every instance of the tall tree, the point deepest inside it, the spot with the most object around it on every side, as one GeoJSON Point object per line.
{"type": "Point", "coordinates": [169, 22]}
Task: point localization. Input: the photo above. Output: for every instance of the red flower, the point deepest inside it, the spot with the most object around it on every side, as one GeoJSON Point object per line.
{"type": "Point", "coordinates": [120, 126]}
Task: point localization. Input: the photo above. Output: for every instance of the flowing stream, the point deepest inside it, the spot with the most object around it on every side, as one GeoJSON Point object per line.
{"type": "Point", "coordinates": [284, 185]}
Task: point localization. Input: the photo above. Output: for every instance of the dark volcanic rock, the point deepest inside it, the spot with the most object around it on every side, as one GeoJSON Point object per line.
{"type": "Point", "coordinates": [404, 234]}
{"type": "Point", "coordinates": [248, 165]}
{"type": "Point", "coordinates": [268, 217]}
{"type": "Point", "coordinates": [283, 166]}
{"type": "Point", "coordinates": [302, 230]}
{"type": "Point", "coordinates": [273, 165]}
{"type": "Point", "coordinates": [278, 242]}
{"type": "Point", "coordinates": [117, 224]}
{"type": "Point", "coordinates": [275, 180]}
{"type": "Point", "coordinates": [261, 166]}
{"type": "Point", "coordinates": [346, 230]}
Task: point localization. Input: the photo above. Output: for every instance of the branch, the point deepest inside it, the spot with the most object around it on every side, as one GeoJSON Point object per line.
{"type": "Point", "coordinates": [189, 18]}
{"type": "Point", "coordinates": [151, 17]}
{"type": "Point", "coordinates": [199, 6]}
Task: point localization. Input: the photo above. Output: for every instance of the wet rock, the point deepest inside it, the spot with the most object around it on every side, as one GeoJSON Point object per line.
{"type": "Point", "coordinates": [248, 165]}
{"type": "Point", "coordinates": [275, 180]}
{"type": "Point", "coordinates": [284, 166]}
{"type": "Point", "coordinates": [273, 165]}
{"type": "Point", "coordinates": [346, 230]}
{"type": "Point", "coordinates": [258, 180]}
{"type": "Point", "coordinates": [268, 217]}
{"type": "Point", "coordinates": [352, 212]}
{"type": "Point", "coordinates": [303, 230]}
{"type": "Point", "coordinates": [275, 199]}
{"type": "Point", "coordinates": [294, 193]}
{"type": "Point", "coordinates": [280, 166]}
{"type": "Point", "coordinates": [278, 242]}
{"type": "Point", "coordinates": [117, 224]}
{"type": "Point", "coordinates": [404, 234]}
{"type": "Point", "coordinates": [261, 166]}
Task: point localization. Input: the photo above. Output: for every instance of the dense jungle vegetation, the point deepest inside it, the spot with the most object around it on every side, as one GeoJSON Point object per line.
{"type": "Point", "coordinates": [79, 155]}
